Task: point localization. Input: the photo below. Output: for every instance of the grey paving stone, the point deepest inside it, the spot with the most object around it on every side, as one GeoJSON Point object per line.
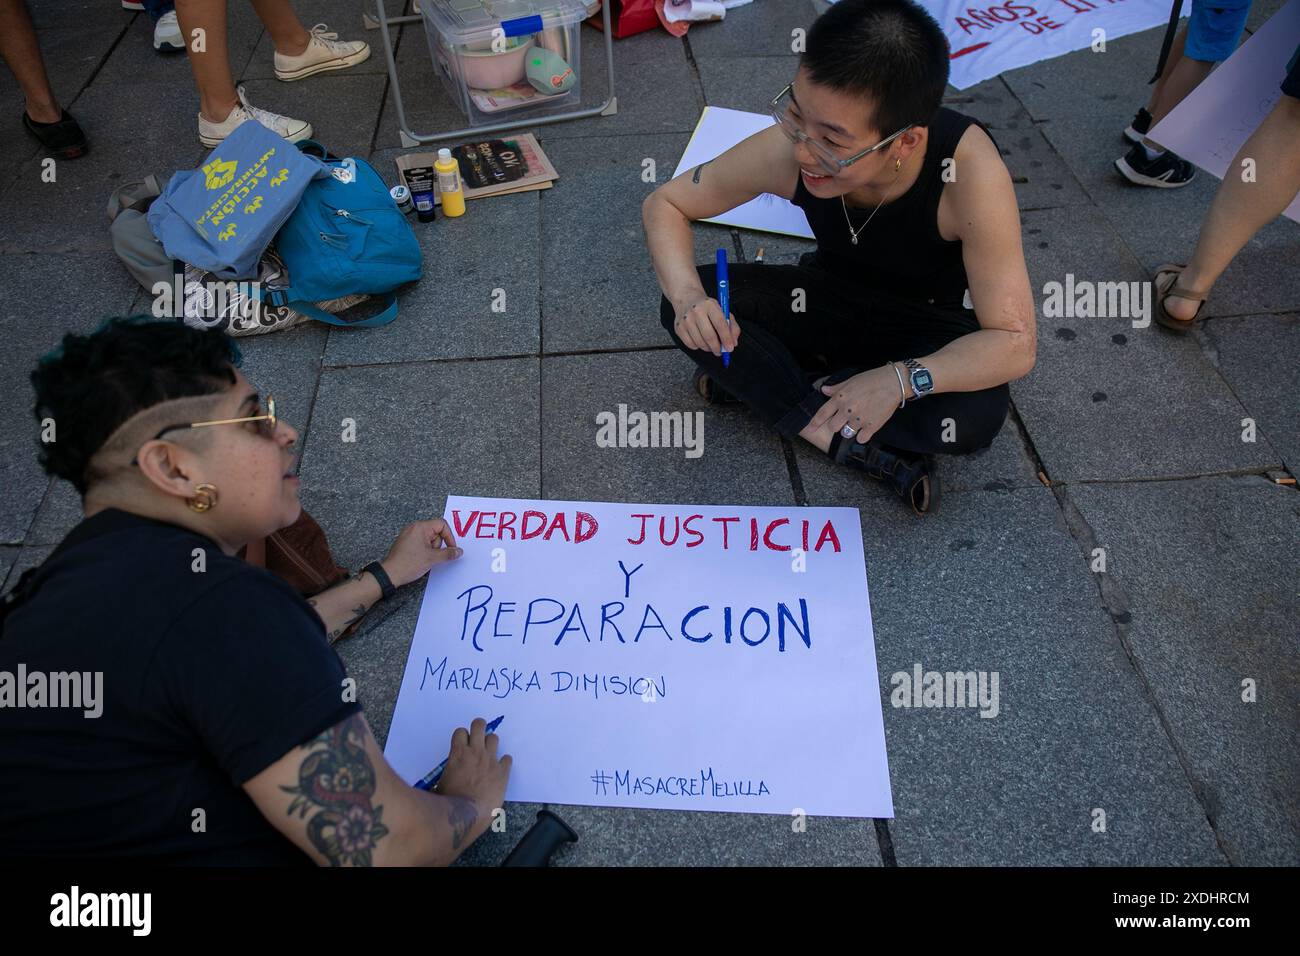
{"type": "Point", "coordinates": [135, 67]}
{"type": "Point", "coordinates": [59, 513]}
{"type": "Point", "coordinates": [342, 108]}
{"type": "Point", "coordinates": [428, 108]}
{"type": "Point", "coordinates": [993, 582]}
{"type": "Point", "coordinates": [50, 15]}
{"type": "Point", "coordinates": [422, 432]}
{"type": "Point", "coordinates": [1041, 178]}
{"type": "Point", "coordinates": [342, 17]}
{"type": "Point", "coordinates": [742, 462]}
{"type": "Point", "coordinates": [1107, 401]}
{"type": "Point", "coordinates": [46, 296]}
{"type": "Point", "coordinates": [287, 365]}
{"type": "Point", "coordinates": [68, 214]}
{"type": "Point", "coordinates": [1256, 355]}
{"type": "Point", "coordinates": [760, 29]}
{"type": "Point", "coordinates": [777, 250]}
{"type": "Point", "coordinates": [609, 300]}
{"type": "Point", "coordinates": [1082, 110]}
{"type": "Point", "coordinates": [448, 313]}
{"type": "Point", "coordinates": [8, 555]}
{"type": "Point", "coordinates": [376, 657]}
{"type": "Point", "coordinates": [656, 88]}
{"type": "Point", "coordinates": [626, 837]}
{"type": "Point", "coordinates": [1201, 564]}
{"type": "Point", "coordinates": [27, 557]}
{"type": "Point", "coordinates": [1260, 11]}
{"type": "Point", "coordinates": [245, 32]}
{"type": "Point", "coordinates": [747, 84]}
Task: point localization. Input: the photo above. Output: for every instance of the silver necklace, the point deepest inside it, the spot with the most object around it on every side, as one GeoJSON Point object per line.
{"type": "Point", "coordinates": [854, 233]}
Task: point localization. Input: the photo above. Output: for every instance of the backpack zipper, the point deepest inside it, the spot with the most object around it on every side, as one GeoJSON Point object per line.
{"type": "Point", "coordinates": [347, 215]}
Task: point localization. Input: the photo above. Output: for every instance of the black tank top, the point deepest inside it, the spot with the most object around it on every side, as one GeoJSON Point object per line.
{"type": "Point", "coordinates": [900, 252]}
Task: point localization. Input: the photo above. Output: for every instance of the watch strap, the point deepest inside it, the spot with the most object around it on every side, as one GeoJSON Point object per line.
{"type": "Point", "coordinates": [913, 366]}
{"type": "Point", "coordinates": [377, 572]}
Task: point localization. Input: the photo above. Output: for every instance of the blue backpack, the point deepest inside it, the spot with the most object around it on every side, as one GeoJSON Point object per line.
{"type": "Point", "coordinates": [346, 236]}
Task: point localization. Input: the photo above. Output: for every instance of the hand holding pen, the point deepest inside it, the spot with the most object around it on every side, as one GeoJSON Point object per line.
{"type": "Point", "coordinates": [473, 777]}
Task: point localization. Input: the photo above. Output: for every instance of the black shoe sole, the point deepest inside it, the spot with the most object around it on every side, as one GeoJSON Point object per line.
{"type": "Point", "coordinates": [1138, 179]}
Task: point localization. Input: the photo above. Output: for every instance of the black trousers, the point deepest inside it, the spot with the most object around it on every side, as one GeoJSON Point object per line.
{"type": "Point", "coordinates": [842, 327]}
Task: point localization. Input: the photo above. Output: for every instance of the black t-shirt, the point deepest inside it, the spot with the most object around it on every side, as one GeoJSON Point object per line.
{"type": "Point", "coordinates": [212, 670]}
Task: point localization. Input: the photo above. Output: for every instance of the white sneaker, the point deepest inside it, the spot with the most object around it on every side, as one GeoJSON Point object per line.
{"type": "Point", "coordinates": [325, 51]}
{"type": "Point", "coordinates": [167, 36]}
{"type": "Point", "coordinates": [212, 134]}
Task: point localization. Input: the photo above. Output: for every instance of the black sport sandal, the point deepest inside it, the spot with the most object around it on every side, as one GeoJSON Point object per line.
{"type": "Point", "coordinates": [915, 479]}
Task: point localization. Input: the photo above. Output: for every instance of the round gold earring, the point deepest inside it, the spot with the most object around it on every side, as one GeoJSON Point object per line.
{"type": "Point", "coordinates": [205, 498]}
{"type": "Point", "coordinates": [898, 164]}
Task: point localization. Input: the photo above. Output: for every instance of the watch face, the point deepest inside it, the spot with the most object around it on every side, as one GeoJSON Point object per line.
{"type": "Point", "coordinates": [922, 382]}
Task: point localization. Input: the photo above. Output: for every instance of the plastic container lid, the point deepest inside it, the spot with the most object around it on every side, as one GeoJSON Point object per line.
{"type": "Point", "coordinates": [473, 21]}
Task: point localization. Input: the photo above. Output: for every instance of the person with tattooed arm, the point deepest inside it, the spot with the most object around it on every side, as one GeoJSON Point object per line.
{"type": "Point", "coordinates": [162, 700]}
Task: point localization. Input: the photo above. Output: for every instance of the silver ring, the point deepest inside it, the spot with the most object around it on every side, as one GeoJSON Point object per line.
{"type": "Point", "coordinates": [848, 431]}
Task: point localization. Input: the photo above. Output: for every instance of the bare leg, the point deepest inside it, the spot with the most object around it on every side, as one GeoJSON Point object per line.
{"type": "Point", "coordinates": [19, 49]}
{"type": "Point", "coordinates": [1184, 78]}
{"type": "Point", "coordinates": [287, 32]}
{"type": "Point", "coordinates": [1175, 55]}
{"type": "Point", "coordinates": [1240, 209]}
{"type": "Point", "coordinates": [211, 68]}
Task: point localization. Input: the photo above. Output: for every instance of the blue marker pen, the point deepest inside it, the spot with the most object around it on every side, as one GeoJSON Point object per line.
{"type": "Point", "coordinates": [724, 298]}
{"type": "Point", "coordinates": [430, 779]}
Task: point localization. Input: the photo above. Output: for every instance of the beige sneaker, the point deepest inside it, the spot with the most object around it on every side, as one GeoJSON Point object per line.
{"type": "Point", "coordinates": [325, 51]}
{"type": "Point", "coordinates": [212, 134]}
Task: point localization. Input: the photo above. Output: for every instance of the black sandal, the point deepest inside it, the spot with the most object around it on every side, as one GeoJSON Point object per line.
{"type": "Point", "coordinates": [63, 138]}
{"type": "Point", "coordinates": [915, 479]}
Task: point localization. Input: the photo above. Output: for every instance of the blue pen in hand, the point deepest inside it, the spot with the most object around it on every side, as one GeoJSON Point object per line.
{"type": "Point", "coordinates": [724, 298]}
{"type": "Point", "coordinates": [430, 779]}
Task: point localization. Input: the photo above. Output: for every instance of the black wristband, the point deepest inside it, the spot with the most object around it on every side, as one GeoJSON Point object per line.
{"type": "Point", "coordinates": [377, 572]}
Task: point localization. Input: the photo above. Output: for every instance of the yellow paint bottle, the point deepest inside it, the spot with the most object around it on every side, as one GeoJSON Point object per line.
{"type": "Point", "coordinates": [449, 186]}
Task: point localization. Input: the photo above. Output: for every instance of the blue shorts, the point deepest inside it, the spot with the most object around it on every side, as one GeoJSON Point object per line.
{"type": "Point", "coordinates": [1214, 29]}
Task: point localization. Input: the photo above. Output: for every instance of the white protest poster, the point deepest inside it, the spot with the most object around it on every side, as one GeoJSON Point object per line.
{"type": "Point", "coordinates": [1210, 124]}
{"type": "Point", "coordinates": [676, 657]}
{"type": "Point", "coordinates": [717, 131]}
{"type": "Point", "coordinates": [986, 40]}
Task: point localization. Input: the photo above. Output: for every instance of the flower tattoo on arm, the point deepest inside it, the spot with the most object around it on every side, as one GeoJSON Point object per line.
{"type": "Point", "coordinates": [335, 791]}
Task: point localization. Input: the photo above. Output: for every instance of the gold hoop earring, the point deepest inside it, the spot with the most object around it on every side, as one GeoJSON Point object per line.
{"type": "Point", "coordinates": [898, 164]}
{"type": "Point", "coordinates": [205, 498]}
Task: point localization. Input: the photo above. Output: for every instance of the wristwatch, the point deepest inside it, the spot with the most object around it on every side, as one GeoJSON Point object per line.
{"type": "Point", "coordinates": [377, 572]}
{"type": "Point", "coordinates": [922, 380]}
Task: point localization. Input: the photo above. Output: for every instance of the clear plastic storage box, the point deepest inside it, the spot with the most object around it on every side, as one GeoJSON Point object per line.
{"type": "Point", "coordinates": [506, 59]}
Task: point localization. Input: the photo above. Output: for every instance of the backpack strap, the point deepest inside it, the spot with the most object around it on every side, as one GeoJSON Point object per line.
{"type": "Point", "coordinates": [383, 318]}
{"type": "Point", "coordinates": [285, 297]}
{"type": "Point", "coordinates": [136, 195]}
